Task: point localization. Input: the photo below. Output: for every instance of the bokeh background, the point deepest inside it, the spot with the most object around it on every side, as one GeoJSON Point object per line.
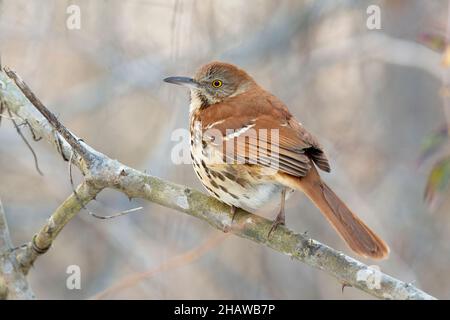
{"type": "Point", "coordinates": [372, 97]}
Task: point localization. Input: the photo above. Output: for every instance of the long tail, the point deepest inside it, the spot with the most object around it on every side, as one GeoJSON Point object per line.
{"type": "Point", "coordinates": [356, 233]}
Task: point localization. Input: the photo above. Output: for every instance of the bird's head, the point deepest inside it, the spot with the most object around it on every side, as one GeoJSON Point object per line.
{"type": "Point", "coordinates": [215, 82]}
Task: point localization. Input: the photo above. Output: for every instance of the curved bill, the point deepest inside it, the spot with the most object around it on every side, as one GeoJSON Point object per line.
{"type": "Point", "coordinates": [182, 81]}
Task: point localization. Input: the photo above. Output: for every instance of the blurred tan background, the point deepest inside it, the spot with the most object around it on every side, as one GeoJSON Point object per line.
{"type": "Point", "coordinates": [370, 96]}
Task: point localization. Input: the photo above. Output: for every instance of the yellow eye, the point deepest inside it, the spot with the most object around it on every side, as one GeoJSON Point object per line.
{"type": "Point", "coordinates": [216, 83]}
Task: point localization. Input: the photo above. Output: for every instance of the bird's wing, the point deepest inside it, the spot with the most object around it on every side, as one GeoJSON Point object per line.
{"type": "Point", "coordinates": [260, 130]}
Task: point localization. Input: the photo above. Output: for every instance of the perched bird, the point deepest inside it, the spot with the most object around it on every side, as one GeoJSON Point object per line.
{"type": "Point", "coordinates": [248, 151]}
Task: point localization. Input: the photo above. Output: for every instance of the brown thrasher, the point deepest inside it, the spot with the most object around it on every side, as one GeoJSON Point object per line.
{"type": "Point", "coordinates": [235, 158]}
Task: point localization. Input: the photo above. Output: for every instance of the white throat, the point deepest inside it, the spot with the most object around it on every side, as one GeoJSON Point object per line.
{"type": "Point", "coordinates": [196, 103]}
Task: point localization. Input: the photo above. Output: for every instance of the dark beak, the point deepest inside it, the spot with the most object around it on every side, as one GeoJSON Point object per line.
{"type": "Point", "coordinates": [182, 81]}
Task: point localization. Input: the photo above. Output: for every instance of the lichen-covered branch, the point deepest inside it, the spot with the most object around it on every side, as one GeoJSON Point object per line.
{"type": "Point", "coordinates": [49, 116]}
{"type": "Point", "coordinates": [5, 240]}
{"type": "Point", "coordinates": [253, 227]}
{"type": "Point", "coordinates": [13, 283]}
{"type": "Point", "coordinates": [104, 172]}
{"type": "Point", "coordinates": [42, 241]}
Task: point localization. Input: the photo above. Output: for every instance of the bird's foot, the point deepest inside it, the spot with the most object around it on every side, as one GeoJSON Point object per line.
{"type": "Point", "coordinates": [279, 220]}
{"type": "Point", "coordinates": [227, 228]}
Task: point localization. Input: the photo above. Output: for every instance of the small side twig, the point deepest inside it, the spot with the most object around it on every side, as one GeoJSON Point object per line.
{"type": "Point", "coordinates": [59, 146]}
{"type": "Point", "coordinates": [19, 132]}
{"type": "Point", "coordinates": [67, 135]}
{"type": "Point", "coordinates": [122, 213]}
{"type": "Point", "coordinates": [33, 134]}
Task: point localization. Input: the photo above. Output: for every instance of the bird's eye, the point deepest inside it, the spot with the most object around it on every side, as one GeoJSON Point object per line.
{"type": "Point", "coordinates": [216, 83]}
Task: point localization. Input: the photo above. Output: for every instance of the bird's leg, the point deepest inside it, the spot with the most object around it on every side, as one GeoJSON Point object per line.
{"type": "Point", "coordinates": [281, 218]}
{"type": "Point", "coordinates": [233, 212]}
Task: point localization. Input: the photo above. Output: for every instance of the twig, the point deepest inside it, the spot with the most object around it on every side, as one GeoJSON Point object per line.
{"type": "Point", "coordinates": [19, 132]}
{"type": "Point", "coordinates": [68, 136]}
{"type": "Point", "coordinates": [33, 134]}
{"type": "Point", "coordinates": [4, 116]}
{"type": "Point", "coordinates": [60, 148]}
{"type": "Point", "coordinates": [115, 215]}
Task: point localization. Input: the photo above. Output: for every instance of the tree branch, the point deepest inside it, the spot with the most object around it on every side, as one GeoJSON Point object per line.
{"type": "Point", "coordinates": [5, 240]}
{"type": "Point", "coordinates": [51, 118]}
{"type": "Point", "coordinates": [109, 173]}
{"type": "Point", "coordinates": [13, 283]}
{"type": "Point", "coordinates": [42, 241]}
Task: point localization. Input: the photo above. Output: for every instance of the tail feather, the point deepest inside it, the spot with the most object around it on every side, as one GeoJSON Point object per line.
{"type": "Point", "coordinates": [359, 237]}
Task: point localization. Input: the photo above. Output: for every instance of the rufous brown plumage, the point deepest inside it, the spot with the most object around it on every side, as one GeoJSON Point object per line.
{"type": "Point", "coordinates": [248, 151]}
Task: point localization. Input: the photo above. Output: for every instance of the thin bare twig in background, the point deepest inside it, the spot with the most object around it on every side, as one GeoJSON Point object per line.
{"type": "Point", "coordinates": [68, 136]}
{"type": "Point", "coordinates": [173, 263]}
{"type": "Point", "coordinates": [72, 185]}
{"type": "Point", "coordinates": [19, 132]}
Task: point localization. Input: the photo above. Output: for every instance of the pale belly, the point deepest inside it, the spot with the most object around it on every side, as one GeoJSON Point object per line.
{"type": "Point", "coordinates": [238, 185]}
{"type": "Point", "coordinates": [235, 184]}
